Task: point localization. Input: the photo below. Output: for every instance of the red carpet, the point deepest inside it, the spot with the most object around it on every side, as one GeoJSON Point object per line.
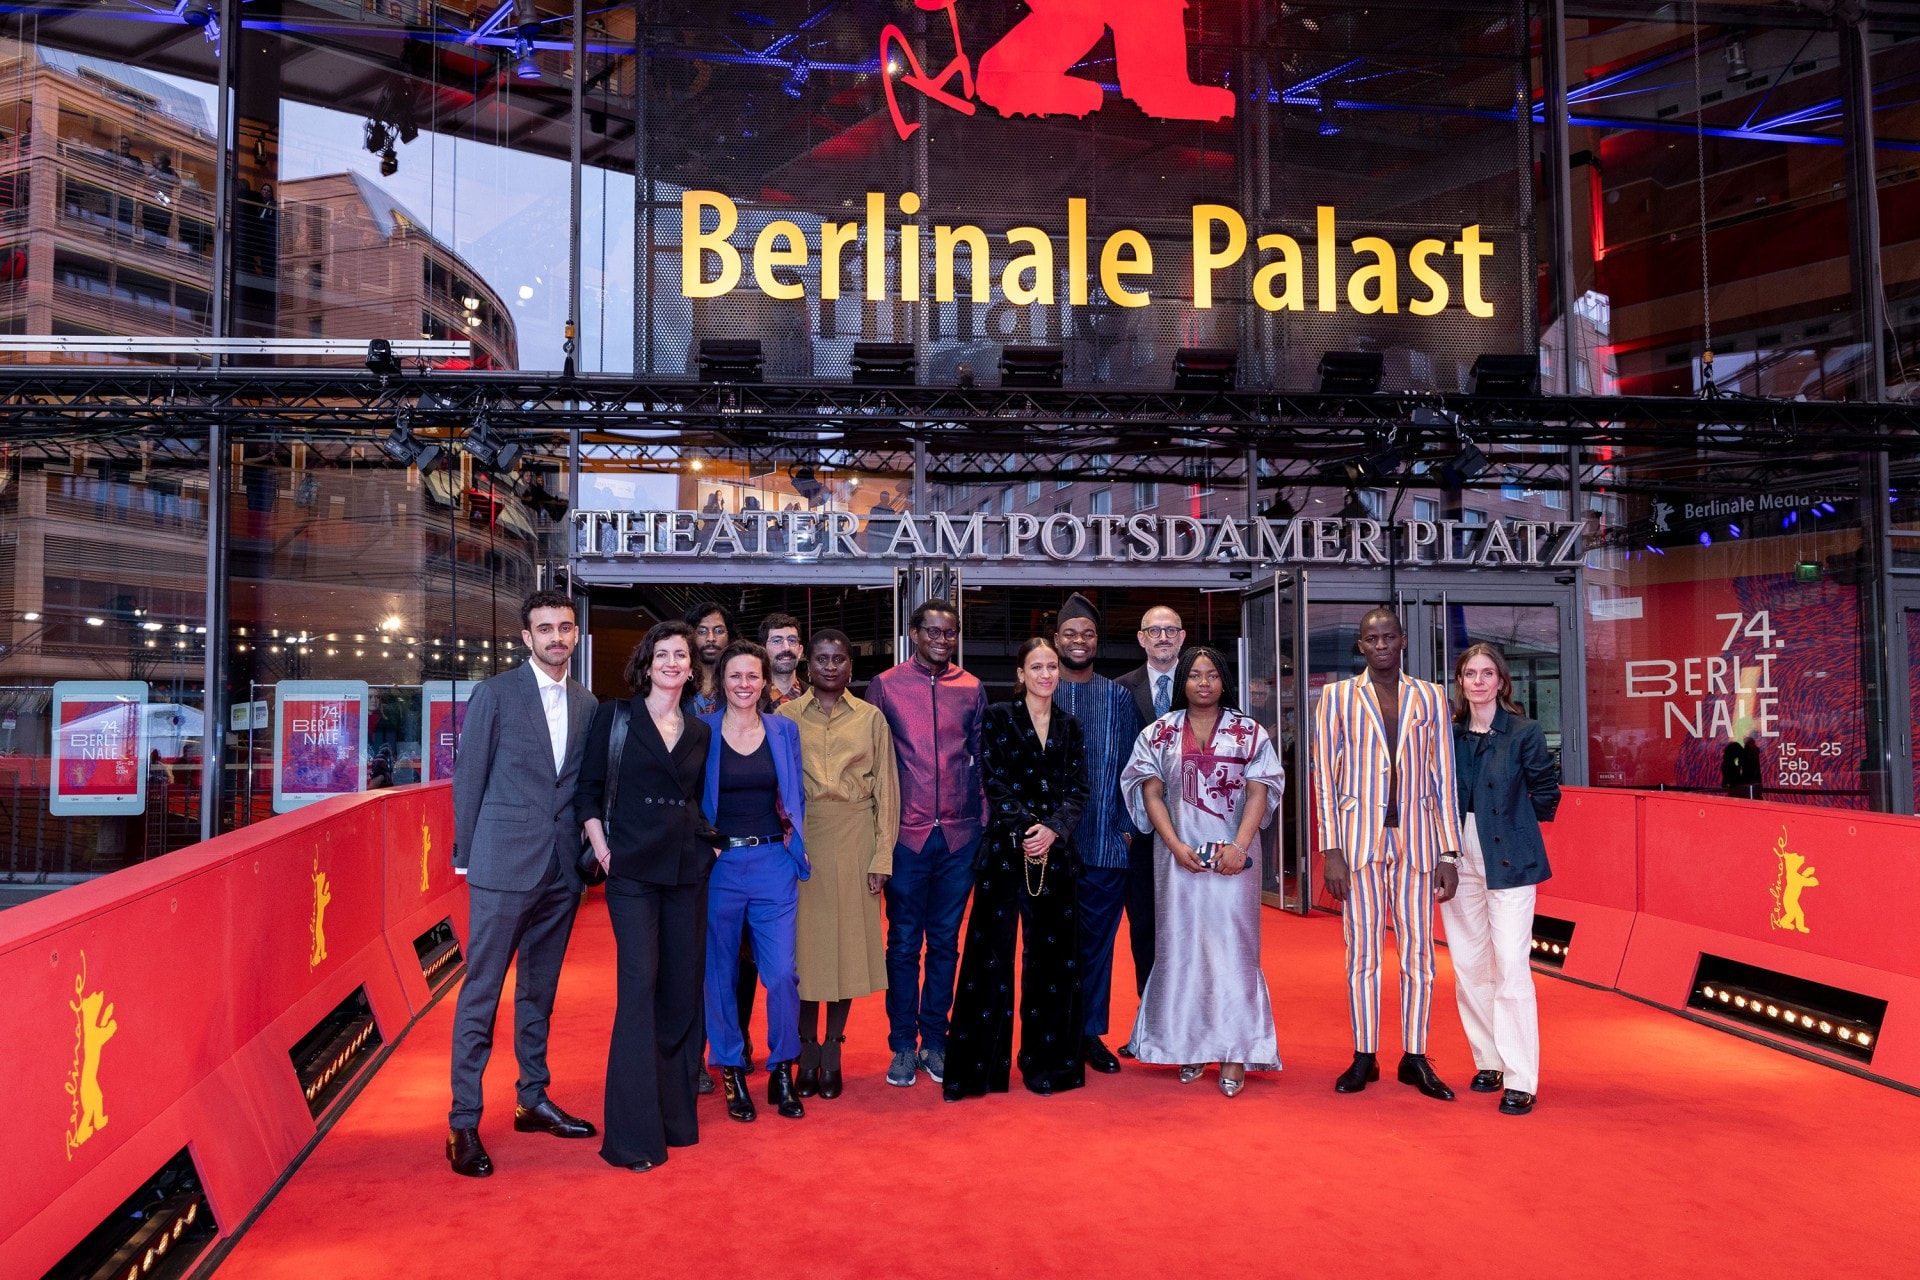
{"type": "Point", "coordinates": [1660, 1148]}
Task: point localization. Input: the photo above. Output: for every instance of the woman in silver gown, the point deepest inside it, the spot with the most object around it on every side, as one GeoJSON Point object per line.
{"type": "Point", "coordinates": [1204, 779]}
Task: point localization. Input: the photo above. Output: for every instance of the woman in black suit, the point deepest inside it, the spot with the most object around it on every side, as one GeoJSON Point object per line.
{"type": "Point", "coordinates": [1035, 766]}
{"type": "Point", "coordinates": [657, 868]}
{"type": "Point", "coordinates": [1508, 787]}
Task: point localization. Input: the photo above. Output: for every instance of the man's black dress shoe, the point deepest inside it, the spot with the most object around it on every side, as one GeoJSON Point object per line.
{"type": "Point", "coordinates": [1098, 1057]}
{"type": "Point", "coordinates": [739, 1102]}
{"type": "Point", "coordinates": [780, 1092]}
{"type": "Point", "coordinates": [1486, 1082]}
{"type": "Point", "coordinates": [466, 1154]}
{"type": "Point", "coordinates": [642, 1166]}
{"type": "Point", "coordinates": [1418, 1072]}
{"type": "Point", "coordinates": [548, 1118]}
{"type": "Point", "coordinates": [703, 1081]}
{"type": "Point", "coordinates": [1126, 1051]}
{"type": "Point", "coordinates": [1515, 1103]}
{"type": "Point", "coordinates": [1365, 1070]}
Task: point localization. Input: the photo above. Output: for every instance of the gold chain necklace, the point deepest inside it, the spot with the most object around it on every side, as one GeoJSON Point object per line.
{"type": "Point", "coordinates": [1033, 889]}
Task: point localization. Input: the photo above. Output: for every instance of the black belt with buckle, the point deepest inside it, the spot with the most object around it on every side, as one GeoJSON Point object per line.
{"type": "Point", "coordinates": [747, 842]}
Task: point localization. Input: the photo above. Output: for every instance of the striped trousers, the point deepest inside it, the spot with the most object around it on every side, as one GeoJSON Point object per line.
{"type": "Point", "coordinates": [1389, 885]}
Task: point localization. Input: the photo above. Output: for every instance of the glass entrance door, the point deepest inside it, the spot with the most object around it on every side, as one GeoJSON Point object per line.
{"type": "Point", "coordinates": [1301, 634]}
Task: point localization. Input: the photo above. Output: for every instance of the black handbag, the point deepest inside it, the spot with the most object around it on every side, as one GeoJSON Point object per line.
{"type": "Point", "coordinates": [588, 865]}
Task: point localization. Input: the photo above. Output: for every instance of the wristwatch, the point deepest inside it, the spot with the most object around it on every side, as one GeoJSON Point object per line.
{"type": "Point", "coordinates": [1449, 859]}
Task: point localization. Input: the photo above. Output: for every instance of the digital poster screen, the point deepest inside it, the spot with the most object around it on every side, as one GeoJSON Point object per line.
{"type": "Point", "coordinates": [100, 747]}
{"type": "Point", "coordinates": [319, 741]}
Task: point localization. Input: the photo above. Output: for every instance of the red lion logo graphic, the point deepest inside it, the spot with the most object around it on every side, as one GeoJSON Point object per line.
{"type": "Point", "coordinates": [1025, 73]}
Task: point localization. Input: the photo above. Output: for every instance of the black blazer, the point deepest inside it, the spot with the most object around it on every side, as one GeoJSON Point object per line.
{"type": "Point", "coordinates": [1515, 788]}
{"type": "Point", "coordinates": [1027, 780]}
{"type": "Point", "coordinates": [657, 811]}
{"type": "Point", "coordinates": [1135, 682]}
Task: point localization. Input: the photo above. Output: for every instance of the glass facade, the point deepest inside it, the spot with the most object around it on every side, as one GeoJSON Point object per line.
{"type": "Point", "coordinates": [603, 201]}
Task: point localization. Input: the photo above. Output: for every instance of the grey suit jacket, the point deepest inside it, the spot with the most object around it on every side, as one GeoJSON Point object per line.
{"type": "Point", "coordinates": [512, 811]}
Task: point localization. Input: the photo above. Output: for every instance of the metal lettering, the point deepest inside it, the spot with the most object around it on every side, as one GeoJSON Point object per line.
{"type": "Point", "coordinates": [841, 528]}
{"type": "Point", "coordinates": [1172, 529]}
{"type": "Point", "coordinates": [1364, 542]}
{"type": "Point", "coordinates": [1420, 533]}
{"type": "Point", "coordinates": [1075, 528]}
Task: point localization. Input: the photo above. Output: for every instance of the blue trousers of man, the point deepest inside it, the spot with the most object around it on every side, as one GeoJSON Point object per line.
{"type": "Point", "coordinates": [752, 888]}
{"type": "Point", "coordinates": [926, 901]}
{"type": "Point", "coordinates": [1101, 892]}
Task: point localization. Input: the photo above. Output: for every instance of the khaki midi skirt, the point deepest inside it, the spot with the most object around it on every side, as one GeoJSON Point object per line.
{"type": "Point", "coordinates": [839, 944]}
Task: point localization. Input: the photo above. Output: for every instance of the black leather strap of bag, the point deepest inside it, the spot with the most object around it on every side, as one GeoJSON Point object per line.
{"type": "Point", "coordinates": [616, 743]}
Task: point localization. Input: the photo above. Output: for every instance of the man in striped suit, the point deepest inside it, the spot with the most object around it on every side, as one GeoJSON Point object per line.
{"type": "Point", "coordinates": [1389, 827]}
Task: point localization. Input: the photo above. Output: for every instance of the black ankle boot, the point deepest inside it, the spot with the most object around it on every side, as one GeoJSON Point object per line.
{"type": "Point", "coordinates": [806, 1079]}
{"type": "Point", "coordinates": [780, 1094]}
{"type": "Point", "coordinates": [830, 1081]}
{"type": "Point", "coordinates": [739, 1102]}
{"type": "Point", "coordinates": [1365, 1070]}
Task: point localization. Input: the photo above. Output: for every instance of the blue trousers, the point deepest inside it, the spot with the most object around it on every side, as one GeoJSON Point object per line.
{"type": "Point", "coordinates": [752, 888]}
{"type": "Point", "coordinates": [1101, 891]}
{"type": "Point", "coordinates": [926, 900]}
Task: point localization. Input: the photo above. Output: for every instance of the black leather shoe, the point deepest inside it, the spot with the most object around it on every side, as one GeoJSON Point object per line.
{"type": "Point", "coordinates": [806, 1080]}
{"type": "Point", "coordinates": [1418, 1072]}
{"type": "Point", "coordinates": [1364, 1071]}
{"type": "Point", "coordinates": [1515, 1103]}
{"type": "Point", "coordinates": [703, 1081]}
{"type": "Point", "coordinates": [1042, 1086]}
{"type": "Point", "coordinates": [1126, 1051]}
{"type": "Point", "coordinates": [739, 1102]}
{"type": "Point", "coordinates": [1098, 1057]}
{"type": "Point", "coordinates": [466, 1154]}
{"type": "Point", "coordinates": [642, 1166]}
{"type": "Point", "coordinates": [780, 1093]}
{"type": "Point", "coordinates": [831, 1082]}
{"type": "Point", "coordinates": [549, 1118]}
{"type": "Point", "coordinates": [1486, 1082]}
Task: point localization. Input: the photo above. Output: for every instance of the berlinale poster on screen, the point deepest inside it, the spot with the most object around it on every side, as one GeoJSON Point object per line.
{"type": "Point", "coordinates": [1770, 659]}
{"type": "Point", "coordinates": [446, 715]}
{"type": "Point", "coordinates": [320, 742]}
{"type": "Point", "coordinates": [99, 747]}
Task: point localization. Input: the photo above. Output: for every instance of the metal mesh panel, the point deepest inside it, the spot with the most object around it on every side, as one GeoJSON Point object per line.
{"type": "Point", "coordinates": [1411, 122]}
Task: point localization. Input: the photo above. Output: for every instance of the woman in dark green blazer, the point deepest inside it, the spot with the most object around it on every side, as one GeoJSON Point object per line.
{"type": "Point", "coordinates": [1509, 785]}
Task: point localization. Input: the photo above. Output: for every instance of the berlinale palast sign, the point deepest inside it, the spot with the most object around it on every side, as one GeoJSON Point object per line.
{"type": "Point", "coordinates": [1105, 539]}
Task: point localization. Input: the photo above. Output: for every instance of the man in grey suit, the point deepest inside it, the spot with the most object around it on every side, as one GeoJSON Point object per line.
{"type": "Point", "coordinates": [516, 841]}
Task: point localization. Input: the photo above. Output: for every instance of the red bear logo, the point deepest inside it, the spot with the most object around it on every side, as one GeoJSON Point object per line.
{"type": "Point", "coordinates": [1025, 73]}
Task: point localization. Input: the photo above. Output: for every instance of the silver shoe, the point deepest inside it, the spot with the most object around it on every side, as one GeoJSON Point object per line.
{"type": "Point", "coordinates": [1192, 1072]}
{"type": "Point", "coordinates": [1231, 1087]}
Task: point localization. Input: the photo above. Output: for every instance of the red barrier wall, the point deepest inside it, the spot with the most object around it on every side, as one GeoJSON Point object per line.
{"type": "Point", "coordinates": [153, 1009]}
{"type": "Point", "coordinates": [1654, 880]}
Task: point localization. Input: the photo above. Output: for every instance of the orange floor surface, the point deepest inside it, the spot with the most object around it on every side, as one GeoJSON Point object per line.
{"type": "Point", "coordinates": [1659, 1148]}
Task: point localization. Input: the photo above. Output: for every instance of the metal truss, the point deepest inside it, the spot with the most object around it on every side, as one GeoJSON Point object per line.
{"type": "Point", "coordinates": [66, 403]}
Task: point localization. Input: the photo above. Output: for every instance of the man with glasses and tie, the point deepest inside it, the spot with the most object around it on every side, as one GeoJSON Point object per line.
{"type": "Point", "coordinates": [1162, 636]}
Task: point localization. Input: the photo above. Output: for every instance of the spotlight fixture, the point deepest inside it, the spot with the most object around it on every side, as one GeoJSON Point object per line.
{"type": "Point", "coordinates": [806, 483]}
{"type": "Point", "coordinates": [1504, 375]}
{"type": "Point", "coordinates": [195, 13]}
{"type": "Point", "coordinates": [1381, 459]}
{"type": "Point", "coordinates": [488, 448]}
{"type": "Point", "coordinates": [1466, 463]}
{"type": "Point", "coordinates": [1354, 508]}
{"type": "Point", "coordinates": [1032, 366]}
{"type": "Point", "coordinates": [1351, 373]}
{"type": "Point", "coordinates": [381, 362]}
{"type": "Point", "coordinates": [1205, 368]}
{"type": "Point", "coordinates": [1736, 55]}
{"type": "Point", "coordinates": [728, 360]}
{"type": "Point", "coordinates": [389, 163]}
{"type": "Point", "coordinates": [409, 450]}
{"type": "Point", "coordinates": [883, 364]}
{"type": "Point", "coordinates": [1278, 509]}
{"type": "Point", "coordinates": [796, 82]}
{"type": "Point", "coordinates": [379, 137]}
{"type": "Point", "coordinates": [523, 64]}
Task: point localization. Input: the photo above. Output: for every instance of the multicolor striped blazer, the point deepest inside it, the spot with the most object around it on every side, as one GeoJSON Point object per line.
{"type": "Point", "coordinates": [1351, 769]}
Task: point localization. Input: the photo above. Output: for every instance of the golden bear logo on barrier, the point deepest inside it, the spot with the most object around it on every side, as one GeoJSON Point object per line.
{"type": "Point", "coordinates": [1790, 879]}
{"type": "Point", "coordinates": [426, 856]}
{"type": "Point", "coordinates": [317, 925]}
{"type": "Point", "coordinates": [93, 1026]}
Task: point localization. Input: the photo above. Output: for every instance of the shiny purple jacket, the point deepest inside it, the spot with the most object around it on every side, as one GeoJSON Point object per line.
{"type": "Point", "coordinates": [936, 723]}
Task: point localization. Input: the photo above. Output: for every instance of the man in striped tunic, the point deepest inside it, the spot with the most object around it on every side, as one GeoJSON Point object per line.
{"type": "Point", "coordinates": [1389, 829]}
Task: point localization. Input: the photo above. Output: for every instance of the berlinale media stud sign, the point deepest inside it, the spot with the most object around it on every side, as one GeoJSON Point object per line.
{"type": "Point", "coordinates": [1026, 73]}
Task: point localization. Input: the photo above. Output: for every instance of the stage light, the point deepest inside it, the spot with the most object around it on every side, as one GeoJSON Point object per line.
{"type": "Point", "coordinates": [523, 64]}
{"type": "Point", "coordinates": [379, 137]}
{"type": "Point", "coordinates": [96, 622]}
{"type": "Point", "coordinates": [1205, 368]}
{"type": "Point", "coordinates": [1504, 375]}
{"type": "Point", "coordinates": [1708, 992]}
{"type": "Point", "coordinates": [1032, 366]}
{"type": "Point", "coordinates": [381, 362]}
{"type": "Point", "coordinates": [1736, 55]}
{"type": "Point", "coordinates": [1466, 463]}
{"type": "Point", "coordinates": [30, 616]}
{"type": "Point", "coordinates": [883, 364]}
{"type": "Point", "coordinates": [1862, 1038]}
{"type": "Point", "coordinates": [727, 360]}
{"type": "Point", "coordinates": [389, 163]}
{"type": "Point", "coordinates": [408, 450]}
{"type": "Point", "coordinates": [1381, 459]}
{"type": "Point", "coordinates": [1351, 373]}
{"type": "Point", "coordinates": [796, 82]}
{"type": "Point", "coordinates": [1278, 509]}
{"type": "Point", "coordinates": [488, 448]}
{"type": "Point", "coordinates": [1353, 508]}
{"type": "Point", "coordinates": [195, 13]}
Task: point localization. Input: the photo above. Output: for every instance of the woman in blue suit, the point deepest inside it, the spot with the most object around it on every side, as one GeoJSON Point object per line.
{"type": "Point", "coordinates": [756, 799]}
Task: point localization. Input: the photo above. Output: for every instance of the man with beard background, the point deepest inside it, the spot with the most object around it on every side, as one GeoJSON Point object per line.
{"type": "Point", "coordinates": [1106, 712]}
{"type": "Point", "coordinates": [713, 631]}
{"type": "Point", "coordinates": [780, 637]}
